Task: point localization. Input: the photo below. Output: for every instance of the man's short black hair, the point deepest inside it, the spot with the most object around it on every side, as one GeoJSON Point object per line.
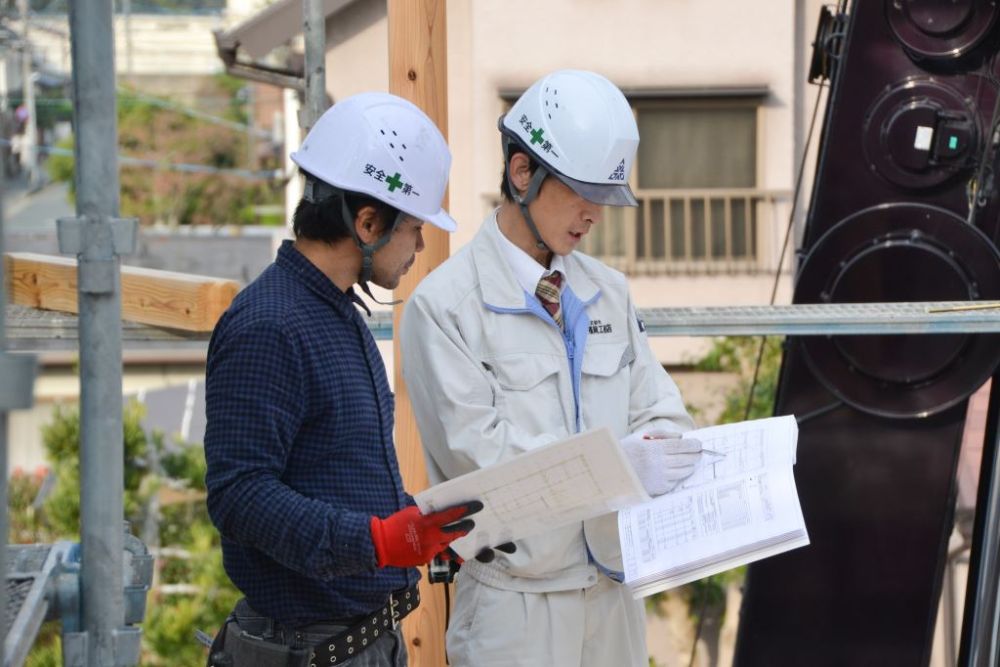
{"type": "Point", "coordinates": [324, 221]}
{"type": "Point", "coordinates": [515, 148]}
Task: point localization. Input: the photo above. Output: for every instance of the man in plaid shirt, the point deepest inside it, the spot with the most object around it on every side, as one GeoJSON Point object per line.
{"type": "Point", "coordinates": [303, 482]}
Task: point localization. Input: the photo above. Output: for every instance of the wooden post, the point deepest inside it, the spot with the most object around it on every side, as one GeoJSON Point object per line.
{"type": "Point", "coordinates": [418, 72]}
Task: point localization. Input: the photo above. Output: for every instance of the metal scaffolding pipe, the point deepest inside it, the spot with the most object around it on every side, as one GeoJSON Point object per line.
{"type": "Point", "coordinates": [96, 237]}
{"type": "Point", "coordinates": [4, 522]}
{"type": "Point", "coordinates": [314, 33]}
{"type": "Point", "coordinates": [980, 645]}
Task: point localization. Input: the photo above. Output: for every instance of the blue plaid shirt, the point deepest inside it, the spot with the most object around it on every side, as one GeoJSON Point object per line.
{"type": "Point", "coordinates": [299, 447]}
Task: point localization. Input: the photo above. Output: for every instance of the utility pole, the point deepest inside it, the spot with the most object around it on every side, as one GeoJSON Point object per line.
{"type": "Point", "coordinates": [314, 33]}
{"type": "Point", "coordinates": [29, 148]}
{"type": "Point", "coordinates": [418, 54]}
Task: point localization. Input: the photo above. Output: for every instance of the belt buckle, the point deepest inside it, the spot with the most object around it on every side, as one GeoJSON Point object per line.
{"type": "Point", "coordinates": [393, 604]}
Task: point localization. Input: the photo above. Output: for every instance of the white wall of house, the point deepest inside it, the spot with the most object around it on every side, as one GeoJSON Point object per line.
{"type": "Point", "coordinates": [636, 44]}
{"type": "Point", "coordinates": [160, 45]}
{"type": "Point", "coordinates": [239, 10]}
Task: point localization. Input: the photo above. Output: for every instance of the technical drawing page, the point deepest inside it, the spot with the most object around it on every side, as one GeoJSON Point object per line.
{"type": "Point", "coordinates": [691, 526]}
{"type": "Point", "coordinates": [559, 483]}
{"type": "Point", "coordinates": [745, 447]}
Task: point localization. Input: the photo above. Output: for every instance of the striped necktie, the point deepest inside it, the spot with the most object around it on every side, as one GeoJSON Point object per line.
{"type": "Point", "coordinates": [547, 292]}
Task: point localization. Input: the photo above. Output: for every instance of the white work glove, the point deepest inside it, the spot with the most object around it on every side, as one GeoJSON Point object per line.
{"type": "Point", "coordinates": [662, 460]}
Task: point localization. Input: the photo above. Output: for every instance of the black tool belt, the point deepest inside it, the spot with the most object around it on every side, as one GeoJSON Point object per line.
{"type": "Point", "coordinates": [260, 642]}
{"type": "Point", "coordinates": [364, 633]}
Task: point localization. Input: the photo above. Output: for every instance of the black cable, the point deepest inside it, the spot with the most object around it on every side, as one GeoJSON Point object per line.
{"type": "Point", "coordinates": [447, 606]}
{"type": "Point", "coordinates": [784, 249]}
{"type": "Point", "coordinates": [978, 191]}
{"type": "Point", "coordinates": [819, 412]}
{"type": "Point", "coordinates": [447, 618]}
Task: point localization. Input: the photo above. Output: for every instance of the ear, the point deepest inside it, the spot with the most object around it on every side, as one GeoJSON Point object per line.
{"type": "Point", "coordinates": [520, 172]}
{"type": "Point", "coordinates": [367, 224]}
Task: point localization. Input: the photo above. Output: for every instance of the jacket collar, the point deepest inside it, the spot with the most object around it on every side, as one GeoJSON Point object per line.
{"type": "Point", "coordinates": [497, 281]}
{"type": "Point", "coordinates": [309, 275]}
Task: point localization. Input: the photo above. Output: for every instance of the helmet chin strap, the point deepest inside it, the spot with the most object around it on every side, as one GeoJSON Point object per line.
{"type": "Point", "coordinates": [317, 191]}
{"type": "Point", "coordinates": [368, 249]}
{"type": "Point", "coordinates": [529, 196]}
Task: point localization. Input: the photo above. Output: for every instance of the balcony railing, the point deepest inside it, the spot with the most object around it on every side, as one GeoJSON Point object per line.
{"type": "Point", "coordinates": [692, 232]}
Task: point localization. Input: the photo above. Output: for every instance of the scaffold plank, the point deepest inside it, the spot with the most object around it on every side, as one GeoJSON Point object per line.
{"type": "Point", "coordinates": [161, 298]}
{"type": "Point", "coordinates": [826, 319]}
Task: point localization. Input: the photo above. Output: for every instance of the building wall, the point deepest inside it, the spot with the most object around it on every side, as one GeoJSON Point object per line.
{"type": "Point", "coordinates": [635, 43]}
{"type": "Point", "coordinates": [158, 44]}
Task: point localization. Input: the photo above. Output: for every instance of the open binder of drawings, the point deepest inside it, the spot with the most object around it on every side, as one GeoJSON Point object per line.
{"type": "Point", "coordinates": [741, 506]}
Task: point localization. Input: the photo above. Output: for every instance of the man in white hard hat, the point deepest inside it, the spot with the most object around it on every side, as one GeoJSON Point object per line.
{"type": "Point", "coordinates": [518, 340]}
{"type": "Point", "coordinates": [303, 482]}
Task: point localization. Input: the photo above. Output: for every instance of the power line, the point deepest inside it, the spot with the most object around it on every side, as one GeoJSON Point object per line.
{"type": "Point", "coordinates": [182, 167]}
{"type": "Point", "coordinates": [170, 106]}
{"type": "Point", "coordinates": [194, 113]}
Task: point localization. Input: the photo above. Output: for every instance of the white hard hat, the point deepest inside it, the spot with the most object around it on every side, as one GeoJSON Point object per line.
{"type": "Point", "coordinates": [385, 147]}
{"type": "Point", "coordinates": [581, 127]}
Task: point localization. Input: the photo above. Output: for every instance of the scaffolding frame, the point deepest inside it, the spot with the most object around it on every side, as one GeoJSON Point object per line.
{"type": "Point", "coordinates": [103, 610]}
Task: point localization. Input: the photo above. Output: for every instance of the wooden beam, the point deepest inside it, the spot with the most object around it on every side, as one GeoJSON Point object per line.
{"type": "Point", "coordinates": [418, 72]}
{"type": "Point", "coordinates": [159, 298]}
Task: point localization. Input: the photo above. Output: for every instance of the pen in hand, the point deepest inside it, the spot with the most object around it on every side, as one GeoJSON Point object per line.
{"type": "Point", "coordinates": [711, 452]}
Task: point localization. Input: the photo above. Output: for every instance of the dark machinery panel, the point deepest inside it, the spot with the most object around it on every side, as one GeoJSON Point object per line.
{"type": "Point", "coordinates": [940, 29]}
{"type": "Point", "coordinates": [904, 208]}
{"type": "Point", "coordinates": [919, 133]}
{"type": "Point", "coordinates": [890, 253]}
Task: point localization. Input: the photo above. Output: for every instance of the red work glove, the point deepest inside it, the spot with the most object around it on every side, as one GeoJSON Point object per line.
{"type": "Point", "coordinates": [409, 538]}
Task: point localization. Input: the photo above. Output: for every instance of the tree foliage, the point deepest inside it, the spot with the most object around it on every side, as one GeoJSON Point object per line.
{"type": "Point", "coordinates": [739, 354]}
{"type": "Point", "coordinates": [167, 137]}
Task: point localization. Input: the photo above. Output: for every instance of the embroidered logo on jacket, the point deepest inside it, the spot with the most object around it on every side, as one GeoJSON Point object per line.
{"type": "Point", "coordinates": [599, 327]}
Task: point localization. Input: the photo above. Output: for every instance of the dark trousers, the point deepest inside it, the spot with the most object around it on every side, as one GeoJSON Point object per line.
{"type": "Point", "coordinates": [249, 639]}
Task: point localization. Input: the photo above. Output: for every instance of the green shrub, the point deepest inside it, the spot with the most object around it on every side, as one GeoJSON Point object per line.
{"type": "Point", "coordinates": [183, 525]}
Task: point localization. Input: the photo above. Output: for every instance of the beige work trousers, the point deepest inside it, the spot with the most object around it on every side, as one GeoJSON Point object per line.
{"type": "Point", "coordinates": [600, 626]}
